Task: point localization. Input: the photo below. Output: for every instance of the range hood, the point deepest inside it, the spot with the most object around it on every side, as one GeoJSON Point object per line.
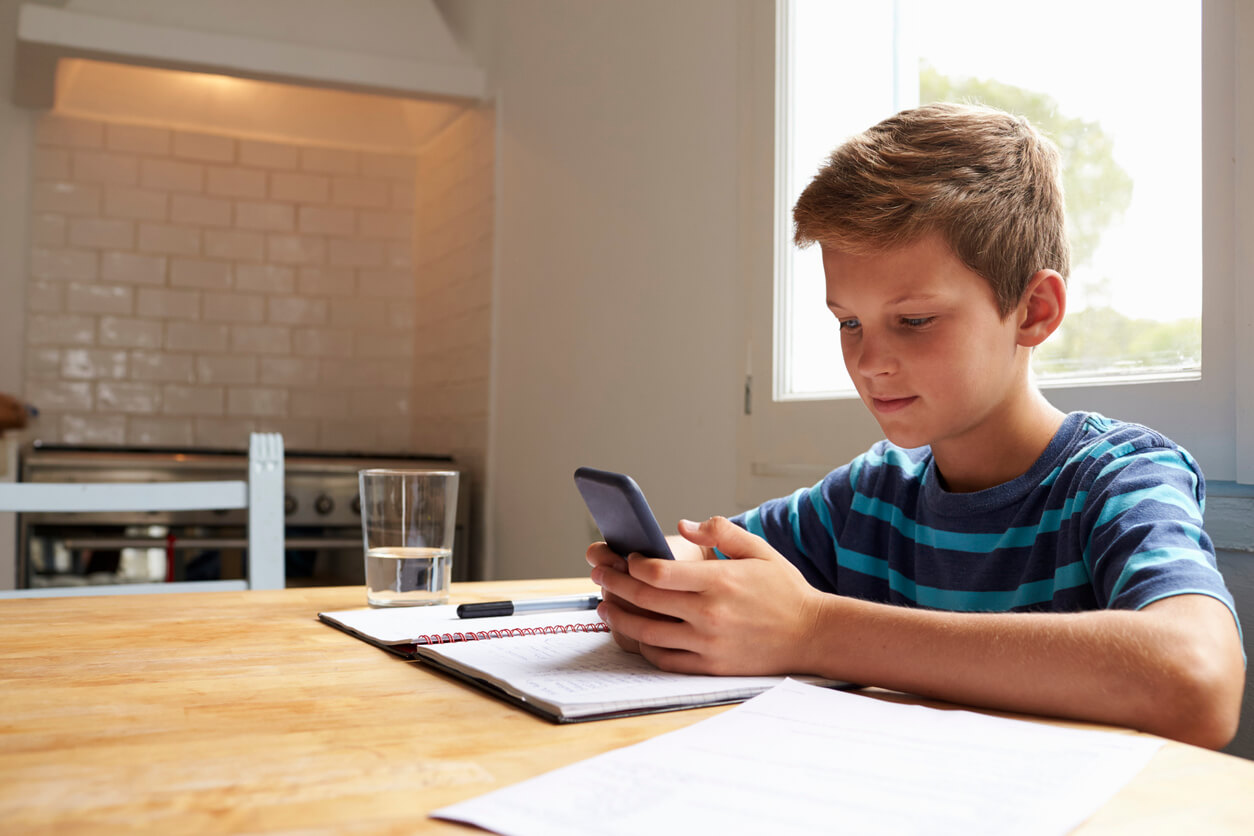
{"type": "Point", "coordinates": [412, 52]}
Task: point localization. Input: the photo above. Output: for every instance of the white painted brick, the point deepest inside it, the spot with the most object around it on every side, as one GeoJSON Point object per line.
{"type": "Point", "coordinates": [127, 332]}
{"type": "Point", "coordinates": [159, 432]}
{"type": "Point", "coordinates": [59, 395]}
{"type": "Point", "coordinates": [97, 298]}
{"type": "Point", "coordinates": [133, 268]}
{"type": "Point", "coordinates": [341, 435]}
{"type": "Point", "coordinates": [192, 400]}
{"type": "Point", "coordinates": [93, 364]}
{"type": "Point", "coordinates": [393, 434]}
{"type": "Point", "coordinates": [234, 307]}
{"type": "Point", "coordinates": [398, 226]}
{"type": "Point", "coordinates": [361, 192]}
{"type": "Point", "coordinates": [401, 315]}
{"type": "Point", "coordinates": [227, 433]}
{"type": "Point", "coordinates": [358, 313]}
{"type": "Point", "coordinates": [131, 398]}
{"type": "Point", "coordinates": [319, 403]}
{"type": "Point", "coordinates": [269, 216]}
{"type": "Point", "coordinates": [235, 244]}
{"type": "Point", "coordinates": [200, 272]}
{"type": "Point", "coordinates": [395, 284]}
{"type": "Point", "coordinates": [256, 401]}
{"type": "Point", "coordinates": [265, 278]}
{"type": "Point", "coordinates": [300, 188]}
{"type": "Point", "coordinates": [380, 403]}
{"type": "Point", "coordinates": [68, 132]}
{"type": "Point", "coordinates": [205, 147]}
{"type": "Point", "coordinates": [48, 230]}
{"type": "Point", "coordinates": [356, 252]}
{"type": "Point", "coordinates": [135, 204]}
{"type": "Point", "coordinates": [400, 254]}
{"type": "Point", "coordinates": [66, 198]}
{"type": "Point", "coordinates": [172, 176]}
{"type": "Point", "coordinates": [224, 181]}
{"type": "Point", "coordinates": [196, 336]}
{"type": "Point", "coordinates": [268, 154]}
{"type": "Point", "coordinates": [162, 367]}
{"type": "Point", "coordinates": [326, 281]}
{"type": "Point", "coordinates": [199, 210]}
{"type": "Point", "coordinates": [261, 339]}
{"type": "Point", "coordinates": [93, 429]}
{"type": "Point", "coordinates": [137, 139]}
{"type": "Point", "coordinates": [395, 166]}
{"type": "Point", "coordinates": [42, 364]}
{"type": "Point", "coordinates": [169, 239]}
{"type": "Point", "coordinates": [168, 304]}
{"type": "Point", "coordinates": [297, 435]}
{"type": "Point", "coordinates": [289, 371]}
{"type": "Point", "coordinates": [104, 167]}
{"type": "Point", "coordinates": [329, 160]}
{"type": "Point", "coordinates": [76, 265]}
{"type": "Point", "coordinates": [102, 233]}
{"type": "Point", "coordinates": [297, 311]}
{"type": "Point", "coordinates": [402, 196]}
{"type": "Point", "coordinates": [296, 249]}
{"type": "Point", "coordinates": [339, 371]}
{"type": "Point", "coordinates": [226, 368]}
{"type": "Point", "coordinates": [45, 297]}
{"type": "Point", "coordinates": [322, 342]}
{"type": "Point", "coordinates": [382, 343]}
{"type": "Point", "coordinates": [51, 164]}
{"type": "Point", "coordinates": [327, 220]}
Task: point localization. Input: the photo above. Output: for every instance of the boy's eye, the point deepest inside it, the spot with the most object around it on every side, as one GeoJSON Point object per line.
{"type": "Point", "coordinates": [916, 322]}
{"type": "Point", "coordinates": [850, 324]}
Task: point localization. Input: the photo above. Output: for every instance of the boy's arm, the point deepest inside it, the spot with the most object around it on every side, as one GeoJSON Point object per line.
{"type": "Point", "coordinates": [1173, 668]}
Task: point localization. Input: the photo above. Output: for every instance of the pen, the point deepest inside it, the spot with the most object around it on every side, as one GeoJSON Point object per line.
{"type": "Point", "coordinates": [490, 608]}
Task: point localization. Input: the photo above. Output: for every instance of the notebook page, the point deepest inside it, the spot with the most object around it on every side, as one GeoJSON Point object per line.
{"type": "Point", "coordinates": [588, 670]}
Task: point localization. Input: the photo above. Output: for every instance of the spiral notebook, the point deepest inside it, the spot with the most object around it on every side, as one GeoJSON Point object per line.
{"type": "Point", "coordinates": [563, 666]}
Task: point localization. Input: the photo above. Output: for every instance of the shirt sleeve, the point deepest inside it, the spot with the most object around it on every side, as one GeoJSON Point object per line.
{"type": "Point", "coordinates": [1145, 540]}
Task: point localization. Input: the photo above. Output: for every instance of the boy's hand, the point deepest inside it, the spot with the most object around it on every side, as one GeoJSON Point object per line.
{"type": "Point", "coordinates": [752, 614]}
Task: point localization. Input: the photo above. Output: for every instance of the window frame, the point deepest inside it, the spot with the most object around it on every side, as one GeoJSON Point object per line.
{"type": "Point", "coordinates": [784, 444]}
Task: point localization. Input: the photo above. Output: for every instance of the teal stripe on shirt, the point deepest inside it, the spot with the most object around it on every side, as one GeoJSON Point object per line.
{"type": "Point", "coordinates": [1025, 595]}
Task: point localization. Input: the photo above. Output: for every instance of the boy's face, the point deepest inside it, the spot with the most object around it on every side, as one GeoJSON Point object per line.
{"type": "Point", "coordinates": [925, 345]}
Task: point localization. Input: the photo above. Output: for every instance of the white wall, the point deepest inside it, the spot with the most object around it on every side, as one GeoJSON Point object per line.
{"type": "Point", "coordinates": [617, 304]}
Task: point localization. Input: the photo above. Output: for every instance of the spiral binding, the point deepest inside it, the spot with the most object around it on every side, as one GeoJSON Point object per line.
{"type": "Point", "coordinates": [513, 632]}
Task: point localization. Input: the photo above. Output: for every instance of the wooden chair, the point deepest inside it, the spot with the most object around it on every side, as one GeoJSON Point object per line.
{"type": "Point", "coordinates": [261, 494]}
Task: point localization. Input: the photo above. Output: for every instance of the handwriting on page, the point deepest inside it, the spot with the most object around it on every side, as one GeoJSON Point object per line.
{"type": "Point", "coordinates": [578, 667]}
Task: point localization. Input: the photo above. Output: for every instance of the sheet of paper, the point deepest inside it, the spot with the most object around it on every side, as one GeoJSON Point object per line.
{"type": "Point", "coordinates": [805, 759]}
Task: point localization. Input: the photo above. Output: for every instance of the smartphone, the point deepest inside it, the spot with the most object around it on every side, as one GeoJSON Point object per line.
{"type": "Point", "coordinates": [622, 514]}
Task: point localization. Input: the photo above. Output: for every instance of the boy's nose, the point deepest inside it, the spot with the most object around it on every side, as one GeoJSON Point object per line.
{"type": "Point", "coordinates": [874, 356]}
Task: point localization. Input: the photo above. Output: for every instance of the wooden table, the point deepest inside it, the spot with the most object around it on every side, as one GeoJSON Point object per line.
{"type": "Point", "coordinates": [225, 712]}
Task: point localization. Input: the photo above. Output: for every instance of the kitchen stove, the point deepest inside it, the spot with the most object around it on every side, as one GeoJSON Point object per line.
{"type": "Point", "coordinates": [321, 506]}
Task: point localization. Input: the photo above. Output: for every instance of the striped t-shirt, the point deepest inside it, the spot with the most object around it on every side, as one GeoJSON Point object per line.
{"type": "Point", "coordinates": [1110, 516]}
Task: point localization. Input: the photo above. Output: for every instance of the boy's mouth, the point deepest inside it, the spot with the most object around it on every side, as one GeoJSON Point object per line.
{"type": "Point", "coordinates": [893, 404]}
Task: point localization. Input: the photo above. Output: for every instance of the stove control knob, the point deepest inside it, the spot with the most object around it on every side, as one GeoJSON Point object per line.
{"type": "Point", "coordinates": [289, 504]}
{"type": "Point", "coordinates": [356, 505]}
{"type": "Point", "coordinates": [324, 504]}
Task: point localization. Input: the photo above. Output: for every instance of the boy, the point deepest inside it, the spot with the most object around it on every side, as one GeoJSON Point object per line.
{"type": "Point", "coordinates": [993, 551]}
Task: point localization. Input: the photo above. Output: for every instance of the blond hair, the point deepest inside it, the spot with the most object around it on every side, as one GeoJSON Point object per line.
{"type": "Point", "coordinates": [986, 181]}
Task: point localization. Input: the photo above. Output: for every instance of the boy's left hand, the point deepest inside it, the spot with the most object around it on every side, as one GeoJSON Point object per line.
{"type": "Point", "coordinates": [753, 614]}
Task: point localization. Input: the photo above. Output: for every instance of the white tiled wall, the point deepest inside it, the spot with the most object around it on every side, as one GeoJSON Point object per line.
{"type": "Point", "coordinates": [187, 288]}
{"type": "Point", "coordinates": [453, 261]}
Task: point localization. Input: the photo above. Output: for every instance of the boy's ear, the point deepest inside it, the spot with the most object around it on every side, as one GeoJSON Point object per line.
{"type": "Point", "coordinates": [1042, 308]}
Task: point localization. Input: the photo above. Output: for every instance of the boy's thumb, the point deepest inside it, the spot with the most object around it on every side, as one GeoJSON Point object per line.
{"type": "Point", "coordinates": [721, 533]}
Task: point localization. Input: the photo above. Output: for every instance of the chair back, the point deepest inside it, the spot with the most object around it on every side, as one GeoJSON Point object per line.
{"type": "Point", "coordinates": [261, 494]}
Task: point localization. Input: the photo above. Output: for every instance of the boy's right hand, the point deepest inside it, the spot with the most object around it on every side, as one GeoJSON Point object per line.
{"type": "Point", "coordinates": [600, 554]}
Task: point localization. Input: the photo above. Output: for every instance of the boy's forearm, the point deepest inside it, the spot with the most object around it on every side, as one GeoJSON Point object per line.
{"type": "Point", "coordinates": [1172, 669]}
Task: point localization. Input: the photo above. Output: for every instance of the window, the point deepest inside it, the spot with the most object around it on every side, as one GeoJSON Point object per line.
{"type": "Point", "coordinates": [1182, 263]}
{"type": "Point", "coordinates": [1131, 176]}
